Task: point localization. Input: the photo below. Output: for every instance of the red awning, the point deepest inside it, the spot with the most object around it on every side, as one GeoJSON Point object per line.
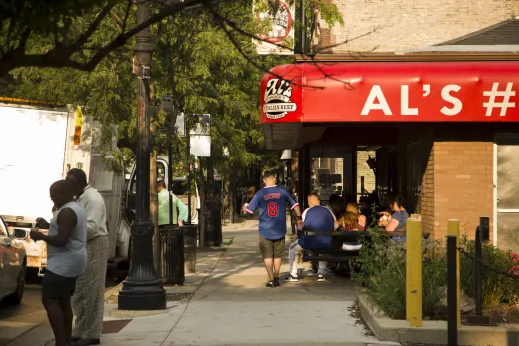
{"type": "Point", "coordinates": [390, 92]}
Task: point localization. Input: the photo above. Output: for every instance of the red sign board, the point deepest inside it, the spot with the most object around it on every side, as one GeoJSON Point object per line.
{"type": "Point", "coordinates": [392, 92]}
{"type": "Point", "coordinates": [281, 22]}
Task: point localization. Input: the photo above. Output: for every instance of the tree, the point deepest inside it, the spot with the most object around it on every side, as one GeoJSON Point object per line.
{"type": "Point", "coordinates": [66, 33]}
{"type": "Point", "coordinates": [57, 33]}
{"type": "Point", "coordinates": [206, 61]}
{"type": "Point", "coordinates": [218, 81]}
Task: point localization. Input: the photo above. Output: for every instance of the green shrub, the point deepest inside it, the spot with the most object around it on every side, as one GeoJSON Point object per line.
{"type": "Point", "coordinates": [384, 273]}
{"type": "Point", "coordinates": [498, 289]}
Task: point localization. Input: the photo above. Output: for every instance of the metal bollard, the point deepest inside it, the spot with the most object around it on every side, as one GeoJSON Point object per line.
{"type": "Point", "coordinates": [479, 280]}
{"type": "Point", "coordinates": [452, 291]}
{"type": "Point", "coordinates": [414, 306]}
{"type": "Point", "coordinates": [478, 318]}
{"type": "Point", "coordinates": [453, 228]}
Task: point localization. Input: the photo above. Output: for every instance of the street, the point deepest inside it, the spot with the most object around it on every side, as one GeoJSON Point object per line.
{"type": "Point", "coordinates": [228, 289]}
{"type": "Point", "coordinates": [31, 310]}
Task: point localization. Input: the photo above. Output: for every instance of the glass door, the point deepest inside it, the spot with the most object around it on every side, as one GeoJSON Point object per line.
{"type": "Point", "coordinates": [332, 172]}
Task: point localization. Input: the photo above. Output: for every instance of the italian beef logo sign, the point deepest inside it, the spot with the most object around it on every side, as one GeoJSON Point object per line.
{"type": "Point", "coordinates": [277, 99]}
{"type": "Point", "coordinates": [282, 30]}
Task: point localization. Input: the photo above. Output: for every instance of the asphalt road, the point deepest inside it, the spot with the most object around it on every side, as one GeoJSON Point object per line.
{"type": "Point", "coordinates": [31, 310]}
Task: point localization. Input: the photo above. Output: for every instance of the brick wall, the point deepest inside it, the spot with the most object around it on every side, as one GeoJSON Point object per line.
{"type": "Point", "coordinates": [407, 24]}
{"type": "Point", "coordinates": [463, 185]}
{"type": "Point", "coordinates": [364, 170]}
{"type": "Point", "coordinates": [427, 197]}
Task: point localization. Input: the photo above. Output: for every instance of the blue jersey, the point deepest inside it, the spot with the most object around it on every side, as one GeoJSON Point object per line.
{"type": "Point", "coordinates": [271, 202]}
{"type": "Point", "coordinates": [317, 219]}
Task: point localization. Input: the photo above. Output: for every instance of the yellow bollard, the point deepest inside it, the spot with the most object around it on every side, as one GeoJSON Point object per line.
{"type": "Point", "coordinates": [453, 228]}
{"type": "Point", "coordinates": [414, 309]}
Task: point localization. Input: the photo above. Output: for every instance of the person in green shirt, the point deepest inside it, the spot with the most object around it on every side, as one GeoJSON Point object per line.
{"type": "Point", "coordinates": [164, 206]}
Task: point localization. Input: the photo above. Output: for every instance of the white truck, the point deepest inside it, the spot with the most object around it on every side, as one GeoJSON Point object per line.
{"type": "Point", "coordinates": [180, 189]}
{"type": "Point", "coordinates": [40, 144]}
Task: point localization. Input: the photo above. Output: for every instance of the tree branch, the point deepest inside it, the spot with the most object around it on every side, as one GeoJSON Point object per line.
{"type": "Point", "coordinates": [123, 38]}
{"type": "Point", "coordinates": [91, 29]}
{"type": "Point", "coordinates": [61, 56]}
{"type": "Point", "coordinates": [126, 15]}
{"type": "Point", "coordinates": [235, 27]}
{"type": "Point", "coordinates": [23, 41]}
{"type": "Point", "coordinates": [245, 55]}
{"type": "Point", "coordinates": [11, 26]}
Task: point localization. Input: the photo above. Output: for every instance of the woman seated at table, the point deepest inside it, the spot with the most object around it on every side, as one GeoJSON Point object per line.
{"type": "Point", "coordinates": [396, 222]}
{"type": "Point", "coordinates": [352, 221]}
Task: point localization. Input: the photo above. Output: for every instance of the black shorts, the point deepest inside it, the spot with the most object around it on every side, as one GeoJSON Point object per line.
{"type": "Point", "coordinates": [57, 286]}
{"type": "Point", "coordinates": [272, 248]}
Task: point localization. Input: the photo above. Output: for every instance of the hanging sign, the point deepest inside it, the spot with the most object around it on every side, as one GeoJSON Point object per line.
{"type": "Point", "coordinates": [280, 39]}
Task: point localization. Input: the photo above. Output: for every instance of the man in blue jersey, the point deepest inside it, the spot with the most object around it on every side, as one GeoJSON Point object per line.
{"type": "Point", "coordinates": [271, 201]}
{"type": "Point", "coordinates": [317, 219]}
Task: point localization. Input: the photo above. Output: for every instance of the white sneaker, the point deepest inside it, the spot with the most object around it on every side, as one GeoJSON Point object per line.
{"type": "Point", "coordinates": [292, 278]}
{"type": "Point", "coordinates": [321, 278]}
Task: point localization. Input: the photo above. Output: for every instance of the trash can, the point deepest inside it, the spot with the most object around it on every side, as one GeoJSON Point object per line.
{"type": "Point", "coordinates": [190, 237]}
{"type": "Point", "coordinates": [172, 254]}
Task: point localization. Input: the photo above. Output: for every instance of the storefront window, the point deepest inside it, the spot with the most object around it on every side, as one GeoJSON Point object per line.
{"type": "Point", "coordinates": [331, 173]}
{"type": "Point", "coordinates": [508, 194]}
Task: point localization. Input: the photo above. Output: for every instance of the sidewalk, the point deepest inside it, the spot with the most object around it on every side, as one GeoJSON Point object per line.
{"type": "Point", "coordinates": [226, 303]}
{"type": "Point", "coordinates": [240, 224]}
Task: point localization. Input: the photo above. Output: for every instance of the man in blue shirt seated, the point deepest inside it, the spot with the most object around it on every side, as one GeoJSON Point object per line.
{"type": "Point", "coordinates": [271, 201]}
{"type": "Point", "coordinates": [317, 219]}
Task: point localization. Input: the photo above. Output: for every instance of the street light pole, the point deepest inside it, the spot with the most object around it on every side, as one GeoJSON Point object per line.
{"type": "Point", "coordinates": [142, 289]}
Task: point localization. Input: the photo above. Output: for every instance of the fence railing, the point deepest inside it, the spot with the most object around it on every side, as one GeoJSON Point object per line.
{"type": "Point", "coordinates": [454, 251]}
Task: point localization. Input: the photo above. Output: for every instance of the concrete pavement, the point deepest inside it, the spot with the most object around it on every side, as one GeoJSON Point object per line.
{"type": "Point", "coordinates": [235, 307]}
{"type": "Point", "coordinates": [230, 305]}
{"type": "Point", "coordinates": [16, 320]}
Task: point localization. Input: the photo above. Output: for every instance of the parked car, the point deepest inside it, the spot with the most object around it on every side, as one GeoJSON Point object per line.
{"type": "Point", "coordinates": [13, 263]}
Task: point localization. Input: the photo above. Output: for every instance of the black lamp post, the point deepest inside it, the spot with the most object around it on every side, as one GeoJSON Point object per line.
{"type": "Point", "coordinates": [142, 289]}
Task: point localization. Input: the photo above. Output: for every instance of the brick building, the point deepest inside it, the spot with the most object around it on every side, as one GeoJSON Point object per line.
{"type": "Point", "coordinates": [383, 26]}
{"type": "Point", "coordinates": [450, 159]}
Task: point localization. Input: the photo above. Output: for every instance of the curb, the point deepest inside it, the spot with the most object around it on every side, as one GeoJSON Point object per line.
{"type": "Point", "coordinates": [433, 332]}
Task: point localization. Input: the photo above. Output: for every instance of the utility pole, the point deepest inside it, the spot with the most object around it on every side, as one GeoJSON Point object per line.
{"type": "Point", "coordinates": [301, 47]}
{"type": "Point", "coordinates": [142, 289]}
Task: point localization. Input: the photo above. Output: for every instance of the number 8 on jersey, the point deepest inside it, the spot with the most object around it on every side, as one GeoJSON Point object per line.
{"type": "Point", "coordinates": [272, 209]}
